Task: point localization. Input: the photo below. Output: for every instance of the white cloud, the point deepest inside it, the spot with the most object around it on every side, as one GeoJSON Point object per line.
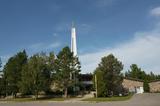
{"type": "Point", "coordinates": [43, 46]}
{"type": "Point", "coordinates": [155, 11]}
{"type": "Point", "coordinates": [36, 46]}
{"type": "Point", "coordinates": [84, 29]}
{"type": "Point", "coordinates": [54, 45]}
{"type": "Point", "coordinates": [143, 50]}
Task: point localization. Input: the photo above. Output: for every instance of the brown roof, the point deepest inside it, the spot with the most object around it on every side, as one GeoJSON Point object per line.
{"type": "Point", "coordinates": [134, 79]}
{"type": "Point", "coordinates": [155, 81]}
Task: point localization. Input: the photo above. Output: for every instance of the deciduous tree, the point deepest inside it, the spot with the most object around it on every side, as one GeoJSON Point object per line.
{"type": "Point", "coordinates": [35, 75]}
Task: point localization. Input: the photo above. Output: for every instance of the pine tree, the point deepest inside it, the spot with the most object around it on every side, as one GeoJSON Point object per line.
{"type": "Point", "coordinates": [66, 66]}
{"type": "Point", "coordinates": [0, 63]}
{"type": "Point", "coordinates": [12, 72]}
{"type": "Point", "coordinates": [110, 76]}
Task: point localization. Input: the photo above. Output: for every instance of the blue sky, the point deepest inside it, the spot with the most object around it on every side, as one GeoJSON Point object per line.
{"type": "Point", "coordinates": [127, 28]}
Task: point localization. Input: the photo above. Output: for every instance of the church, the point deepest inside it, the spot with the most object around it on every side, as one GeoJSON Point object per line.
{"type": "Point", "coordinates": [132, 85]}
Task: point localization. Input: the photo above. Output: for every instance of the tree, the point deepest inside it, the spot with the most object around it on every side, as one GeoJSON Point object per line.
{"type": "Point", "coordinates": [2, 82]}
{"type": "Point", "coordinates": [135, 72]}
{"type": "Point", "coordinates": [152, 76]}
{"type": "Point", "coordinates": [146, 85]}
{"type": "Point", "coordinates": [100, 83]}
{"type": "Point", "coordinates": [67, 68]}
{"type": "Point", "coordinates": [37, 75]}
{"type": "Point", "coordinates": [109, 71]}
{"type": "Point", "coordinates": [12, 72]}
{"type": "Point", "coordinates": [51, 63]}
{"type": "Point", "coordinates": [0, 63]}
{"type": "Point", "coordinates": [2, 87]}
{"type": "Point", "coordinates": [158, 77]}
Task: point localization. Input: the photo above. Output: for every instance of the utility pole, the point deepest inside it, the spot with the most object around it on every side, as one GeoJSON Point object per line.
{"type": "Point", "coordinates": [96, 85]}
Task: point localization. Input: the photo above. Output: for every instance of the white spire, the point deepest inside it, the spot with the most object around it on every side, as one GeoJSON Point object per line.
{"type": "Point", "coordinates": [73, 40]}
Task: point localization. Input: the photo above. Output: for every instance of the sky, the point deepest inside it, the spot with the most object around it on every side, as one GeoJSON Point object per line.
{"type": "Point", "coordinates": [129, 29]}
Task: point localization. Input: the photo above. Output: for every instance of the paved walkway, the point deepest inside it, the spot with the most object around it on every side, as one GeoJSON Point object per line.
{"type": "Point", "coordinates": [80, 99]}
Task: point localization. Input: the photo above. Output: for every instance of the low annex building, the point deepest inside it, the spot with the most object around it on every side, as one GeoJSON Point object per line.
{"type": "Point", "coordinates": [133, 85]}
{"type": "Point", "coordinates": [154, 86]}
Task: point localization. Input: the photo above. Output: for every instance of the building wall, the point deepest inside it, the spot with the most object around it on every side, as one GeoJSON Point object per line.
{"type": "Point", "coordinates": [154, 86]}
{"type": "Point", "coordinates": [133, 85]}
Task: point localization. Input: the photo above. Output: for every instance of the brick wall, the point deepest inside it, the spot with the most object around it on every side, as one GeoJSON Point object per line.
{"type": "Point", "coordinates": [131, 84]}
{"type": "Point", "coordinates": [154, 86]}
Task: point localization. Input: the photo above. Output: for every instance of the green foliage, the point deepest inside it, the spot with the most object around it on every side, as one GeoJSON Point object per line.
{"type": "Point", "coordinates": [138, 73]}
{"type": "Point", "coordinates": [135, 72]}
{"type": "Point", "coordinates": [67, 68]}
{"type": "Point", "coordinates": [2, 83]}
{"type": "Point", "coordinates": [146, 86]}
{"type": "Point", "coordinates": [152, 76]}
{"type": "Point", "coordinates": [0, 63]}
{"type": "Point", "coordinates": [109, 76]}
{"type": "Point", "coordinates": [2, 87]}
{"type": "Point", "coordinates": [12, 72]}
{"type": "Point", "coordinates": [101, 84]}
{"type": "Point", "coordinates": [51, 61]}
{"type": "Point", "coordinates": [37, 75]}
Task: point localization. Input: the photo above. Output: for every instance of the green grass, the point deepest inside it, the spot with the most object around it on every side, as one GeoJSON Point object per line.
{"type": "Point", "coordinates": [32, 99]}
{"type": "Point", "coordinates": [18, 100]}
{"type": "Point", "coordinates": [53, 99]}
{"type": "Point", "coordinates": [105, 99]}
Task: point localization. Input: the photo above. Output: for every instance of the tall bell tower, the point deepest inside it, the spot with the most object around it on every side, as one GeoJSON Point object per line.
{"type": "Point", "coordinates": [73, 40]}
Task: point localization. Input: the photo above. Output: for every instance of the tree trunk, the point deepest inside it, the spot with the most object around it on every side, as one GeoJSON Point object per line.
{"type": "Point", "coordinates": [36, 95]}
{"type": "Point", "coordinates": [66, 92]}
{"type": "Point", "coordinates": [15, 95]}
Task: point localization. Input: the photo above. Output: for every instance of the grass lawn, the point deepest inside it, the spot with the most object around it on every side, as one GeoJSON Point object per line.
{"type": "Point", "coordinates": [104, 99]}
{"type": "Point", "coordinates": [18, 99]}
{"type": "Point", "coordinates": [52, 99]}
{"type": "Point", "coordinates": [32, 99]}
